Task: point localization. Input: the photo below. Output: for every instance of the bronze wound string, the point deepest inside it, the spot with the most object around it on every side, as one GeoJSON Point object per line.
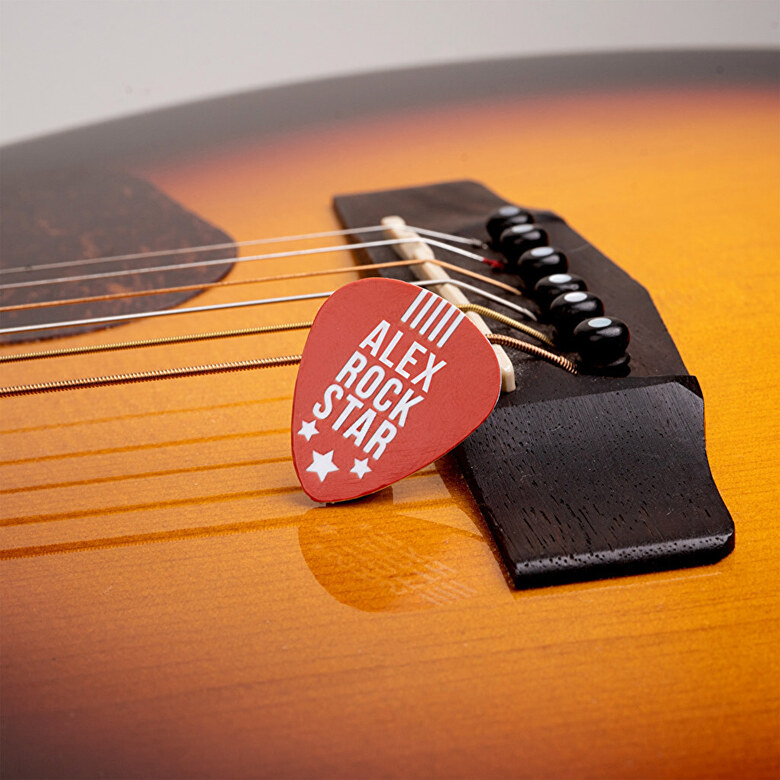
{"type": "Point", "coordinates": [243, 365]}
{"type": "Point", "coordinates": [256, 280]}
{"type": "Point", "coordinates": [227, 334]}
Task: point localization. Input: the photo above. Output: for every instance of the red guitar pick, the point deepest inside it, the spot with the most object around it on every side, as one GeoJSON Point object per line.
{"type": "Point", "coordinates": [392, 377]}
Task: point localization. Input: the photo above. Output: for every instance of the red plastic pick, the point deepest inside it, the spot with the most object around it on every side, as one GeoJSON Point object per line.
{"type": "Point", "coordinates": [392, 377]}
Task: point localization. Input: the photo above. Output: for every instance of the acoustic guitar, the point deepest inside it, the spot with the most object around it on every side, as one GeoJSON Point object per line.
{"type": "Point", "coordinates": [175, 606]}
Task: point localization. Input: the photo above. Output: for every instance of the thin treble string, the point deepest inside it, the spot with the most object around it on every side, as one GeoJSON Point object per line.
{"type": "Point", "coordinates": [245, 304]}
{"type": "Point", "coordinates": [251, 258]}
{"type": "Point", "coordinates": [256, 280]}
{"type": "Point", "coordinates": [162, 313]}
{"type": "Point", "coordinates": [231, 245]}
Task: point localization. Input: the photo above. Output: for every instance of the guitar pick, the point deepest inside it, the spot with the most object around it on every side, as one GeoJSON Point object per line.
{"type": "Point", "coordinates": [392, 377]}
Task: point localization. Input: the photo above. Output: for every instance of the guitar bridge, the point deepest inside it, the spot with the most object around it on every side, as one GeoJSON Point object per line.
{"type": "Point", "coordinates": [578, 476]}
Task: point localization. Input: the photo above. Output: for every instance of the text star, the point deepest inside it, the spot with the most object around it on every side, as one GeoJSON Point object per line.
{"type": "Point", "coordinates": [360, 468]}
{"type": "Point", "coordinates": [322, 465]}
{"type": "Point", "coordinates": [308, 429]}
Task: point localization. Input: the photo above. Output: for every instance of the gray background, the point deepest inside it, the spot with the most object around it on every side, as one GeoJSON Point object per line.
{"type": "Point", "coordinates": [65, 63]}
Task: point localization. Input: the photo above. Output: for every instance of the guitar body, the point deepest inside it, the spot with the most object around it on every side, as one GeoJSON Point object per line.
{"type": "Point", "coordinates": [173, 605]}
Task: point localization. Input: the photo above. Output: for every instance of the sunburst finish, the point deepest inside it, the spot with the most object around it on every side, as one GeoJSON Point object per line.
{"type": "Point", "coordinates": [174, 606]}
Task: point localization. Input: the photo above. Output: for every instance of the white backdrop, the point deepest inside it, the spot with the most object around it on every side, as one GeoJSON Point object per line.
{"type": "Point", "coordinates": [65, 63]}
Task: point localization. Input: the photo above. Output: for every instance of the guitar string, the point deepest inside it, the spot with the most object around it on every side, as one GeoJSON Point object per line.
{"type": "Point", "coordinates": [257, 280]}
{"type": "Point", "coordinates": [265, 329]}
{"type": "Point", "coordinates": [240, 365]}
{"type": "Point", "coordinates": [244, 304]}
{"type": "Point", "coordinates": [158, 342]}
{"type": "Point", "coordinates": [233, 244]}
{"type": "Point", "coordinates": [483, 311]}
{"type": "Point", "coordinates": [315, 250]}
{"type": "Point", "coordinates": [250, 258]}
{"type": "Point", "coordinates": [262, 362]}
{"type": "Point", "coordinates": [148, 376]}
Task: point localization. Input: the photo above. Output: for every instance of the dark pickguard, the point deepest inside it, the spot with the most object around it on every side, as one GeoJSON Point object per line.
{"type": "Point", "coordinates": [581, 476]}
{"type": "Point", "coordinates": [68, 214]}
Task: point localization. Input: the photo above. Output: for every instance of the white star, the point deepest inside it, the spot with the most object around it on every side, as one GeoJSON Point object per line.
{"type": "Point", "coordinates": [360, 468]}
{"type": "Point", "coordinates": [322, 465]}
{"type": "Point", "coordinates": [308, 429]}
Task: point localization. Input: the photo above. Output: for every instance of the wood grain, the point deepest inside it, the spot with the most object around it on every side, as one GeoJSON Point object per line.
{"type": "Point", "coordinates": [174, 606]}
